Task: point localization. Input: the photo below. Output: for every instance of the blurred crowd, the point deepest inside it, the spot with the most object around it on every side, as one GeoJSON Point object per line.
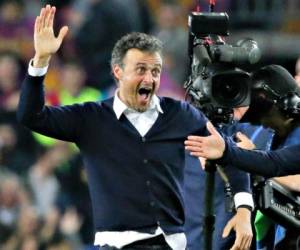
{"type": "Point", "coordinates": [44, 199]}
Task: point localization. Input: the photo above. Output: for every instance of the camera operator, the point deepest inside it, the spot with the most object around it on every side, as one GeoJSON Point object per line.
{"type": "Point", "coordinates": [232, 228]}
{"type": "Point", "coordinates": [278, 162]}
{"type": "Point", "coordinates": [275, 104]}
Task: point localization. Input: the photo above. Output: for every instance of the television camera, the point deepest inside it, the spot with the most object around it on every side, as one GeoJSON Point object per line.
{"type": "Point", "coordinates": [216, 85]}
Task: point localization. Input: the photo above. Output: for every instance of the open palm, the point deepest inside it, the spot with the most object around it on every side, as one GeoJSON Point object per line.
{"type": "Point", "coordinates": [45, 42]}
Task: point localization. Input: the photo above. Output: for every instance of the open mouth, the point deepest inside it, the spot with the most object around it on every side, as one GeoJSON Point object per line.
{"type": "Point", "coordinates": [144, 92]}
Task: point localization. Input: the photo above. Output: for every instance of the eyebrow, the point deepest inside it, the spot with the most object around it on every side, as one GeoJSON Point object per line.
{"type": "Point", "coordinates": [144, 64]}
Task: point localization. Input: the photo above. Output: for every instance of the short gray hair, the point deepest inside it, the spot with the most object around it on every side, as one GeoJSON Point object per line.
{"type": "Point", "coordinates": [134, 40]}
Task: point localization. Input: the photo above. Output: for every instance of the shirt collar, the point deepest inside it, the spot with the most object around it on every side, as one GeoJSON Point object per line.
{"type": "Point", "coordinates": [119, 107]}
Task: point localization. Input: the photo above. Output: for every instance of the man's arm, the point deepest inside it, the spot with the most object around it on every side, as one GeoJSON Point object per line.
{"type": "Point", "coordinates": [57, 122]}
{"type": "Point", "coordinates": [280, 162]}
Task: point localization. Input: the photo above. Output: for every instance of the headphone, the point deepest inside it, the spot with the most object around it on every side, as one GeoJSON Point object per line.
{"type": "Point", "coordinates": [290, 104]}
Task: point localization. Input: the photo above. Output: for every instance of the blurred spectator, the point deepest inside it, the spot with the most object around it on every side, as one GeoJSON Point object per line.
{"type": "Point", "coordinates": [61, 231]}
{"type": "Point", "coordinates": [35, 233]}
{"type": "Point", "coordinates": [69, 226]}
{"type": "Point", "coordinates": [42, 179]}
{"type": "Point", "coordinates": [49, 230]}
{"type": "Point", "coordinates": [30, 243]}
{"type": "Point", "coordinates": [73, 79]}
{"type": "Point", "coordinates": [12, 198]}
{"type": "Point", "coordinates": [170, 31]}
{"type": "Point", "coordinates": [7, 145]}
{"type": "Point", "coordinates": [16, 29]}
{"type": "Point", "coordinates": [74, 193]}
{"type": "Point", "coordinates": [107, 21]}
{"type": "Point", "coordinates": [73, 89]}
{"type": "Point", "coordinates": [10, 68]}
{"type": "Point", "coordinates": [58, 182]}
{"type": "Point", "coordinates": [12, 157]}
{"type": "Point", "coordinates": [19, 153]}
{"type": "Point", "coordinates": [32, 7]}
{"type": "Point", "coordinates": [26, 231]}
{"type": "Point", "coordinates": [251, 14]}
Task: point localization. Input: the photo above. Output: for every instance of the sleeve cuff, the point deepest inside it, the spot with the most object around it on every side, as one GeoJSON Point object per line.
{"type": "Point", "coordinates": [32, 71]}
{"type": "Point", "coordinates": [243, 198]}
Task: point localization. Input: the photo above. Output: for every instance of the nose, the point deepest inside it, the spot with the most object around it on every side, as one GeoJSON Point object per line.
{"type": "Point", "coordinates": [148, 78]}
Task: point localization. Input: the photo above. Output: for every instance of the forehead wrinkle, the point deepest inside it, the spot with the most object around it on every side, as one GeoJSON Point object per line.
{"type": "Point", "coordinates": [138, 56]}
{"type": "Point", "coordinates": [147, 64]}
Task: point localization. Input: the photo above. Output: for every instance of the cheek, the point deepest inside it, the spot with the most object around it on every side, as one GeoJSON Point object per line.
{"type": "Point", "coordinates": [157, 82]}
{"type": "Point", "coordinates": [128, 88]}
{"type": "Point", "coordinates": [132, 79]}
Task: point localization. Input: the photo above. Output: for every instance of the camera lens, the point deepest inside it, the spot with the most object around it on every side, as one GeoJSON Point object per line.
{"type": "Point", "coordinates": [231, 90]}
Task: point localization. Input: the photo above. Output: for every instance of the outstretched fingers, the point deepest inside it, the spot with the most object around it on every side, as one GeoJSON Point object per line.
{"type": "Point", "coordinates": [50, 17]}
{"type": "Point", "coordinates": [45, 19]}
{"type": "Point", "coordinates": [194, 149]}
{"type": "Point", "coordinates": [42, 18]}
{"type": "Point", "coordinates": [194, 144]}
{"type": "Point", "coordinates": [195, 138]}
{"type": "Point", "coordinates": [37, 24]}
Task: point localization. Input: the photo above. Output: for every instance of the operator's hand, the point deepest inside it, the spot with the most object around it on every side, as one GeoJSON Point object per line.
{"type": "Point", "coordinates": [45, 42]}
{"type": "Point", "coordinates": [241, 223]}
{"type": "Point", "coordinates": [244, 142]}
{"type": "Point", "coordinates": [210, 147]}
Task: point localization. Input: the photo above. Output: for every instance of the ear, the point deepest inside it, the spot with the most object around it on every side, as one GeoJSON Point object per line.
{"type": "Point", "coordinates": [117, 71]}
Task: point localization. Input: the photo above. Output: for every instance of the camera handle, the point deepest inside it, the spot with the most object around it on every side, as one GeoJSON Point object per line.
{"type": "Point", "coordinates": [210, 168]}
{"type": "Point", "coordinates": [209, 213]}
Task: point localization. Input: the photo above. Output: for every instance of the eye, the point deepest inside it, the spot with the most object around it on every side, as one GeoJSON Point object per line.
{"type": "Point", "coordinates": [155, 72]}
{"type": "Point", "coordinates": [141, 70]}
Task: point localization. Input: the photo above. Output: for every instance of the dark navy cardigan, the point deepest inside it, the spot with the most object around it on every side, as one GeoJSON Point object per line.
{"type": "Point", "coordinates": [135, 182]}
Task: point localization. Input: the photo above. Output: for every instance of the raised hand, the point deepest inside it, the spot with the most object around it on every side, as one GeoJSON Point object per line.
{"type": "Point", "coordinates": [210, 147]}
{"type": "Point", "coordinates": [45, 42]}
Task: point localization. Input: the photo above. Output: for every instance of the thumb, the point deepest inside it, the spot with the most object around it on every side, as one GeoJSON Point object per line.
{"type": "Point", "coordinates": [227, 229]}
{"type": "Point", "coordinates": [62, 33]}
{"type": "Point", "coordinates": [212, 130]}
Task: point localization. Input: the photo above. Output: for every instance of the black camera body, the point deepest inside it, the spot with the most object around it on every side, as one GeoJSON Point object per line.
{"type": "Point", "coordinates": [216, 85]}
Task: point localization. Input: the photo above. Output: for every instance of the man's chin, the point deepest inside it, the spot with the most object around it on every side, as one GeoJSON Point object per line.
{"type": "Point", "coordinates": [142, 108]}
